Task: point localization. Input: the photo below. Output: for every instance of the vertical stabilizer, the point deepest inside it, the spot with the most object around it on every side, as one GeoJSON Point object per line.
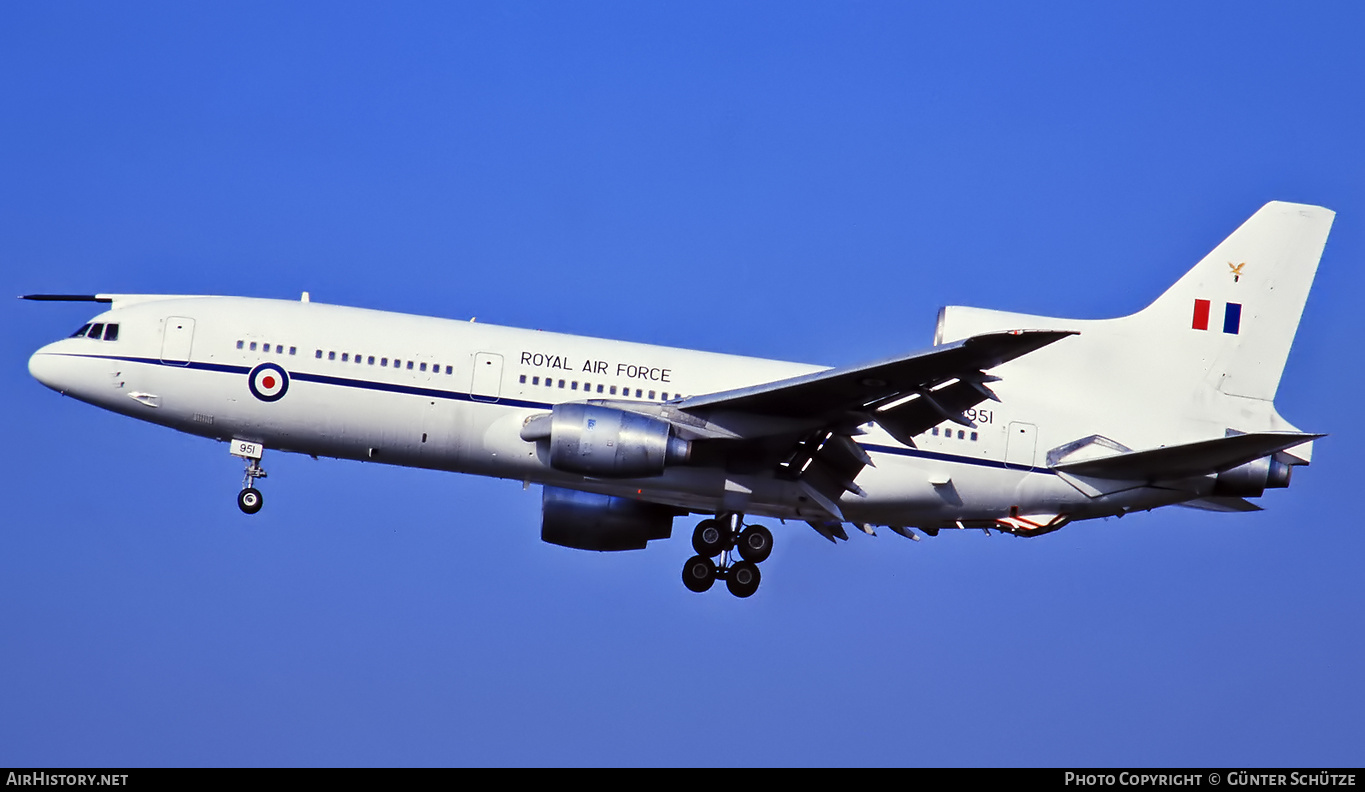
{"type": "Point", "coordinates": [1240, 306]}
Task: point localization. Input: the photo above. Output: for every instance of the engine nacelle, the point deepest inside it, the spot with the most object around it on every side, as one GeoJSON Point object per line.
{"type": "Point", "coordinates": [607, 443]}
{"type": "Point", "coordinates": [1253, 478]}
{"type": "Point", "coordinates": [587, 521]}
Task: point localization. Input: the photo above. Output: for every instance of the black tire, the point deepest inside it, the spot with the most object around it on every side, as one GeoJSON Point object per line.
{"type": "Point", "coordinates": [710, 538]}
{"type": "Point", "coordinates": [755, 544]}
{"type": "Point", "coordinates": [250, 500]}
{"type": "Point", "coordinates": [699, 573]}
{"type": "Point", "coordinates": [743, 579]}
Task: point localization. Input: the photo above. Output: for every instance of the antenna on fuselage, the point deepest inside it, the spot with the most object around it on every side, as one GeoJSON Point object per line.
{"type": "Point", "coordinates": [304, 298]}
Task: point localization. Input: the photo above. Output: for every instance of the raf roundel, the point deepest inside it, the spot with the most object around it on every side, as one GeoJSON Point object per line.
{"type": "Point", "coordinates": [268, 382]}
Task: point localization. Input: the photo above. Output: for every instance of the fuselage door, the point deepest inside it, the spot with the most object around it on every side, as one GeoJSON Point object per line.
{"type": "Point", "coordinates": [177, 338]}
{"type": "Point", "coordinates": [487, 383]}
{"type": "Point", "coordinates": [1020, 445]}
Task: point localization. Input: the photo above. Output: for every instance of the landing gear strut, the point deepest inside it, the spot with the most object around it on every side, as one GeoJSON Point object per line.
{"type": "Point", "coordinates": [249, 500]}
{"type": "Point", "coordinates": [719, 537]}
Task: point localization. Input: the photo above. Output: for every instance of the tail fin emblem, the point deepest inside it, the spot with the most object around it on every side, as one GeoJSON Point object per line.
{"type": "Point", "coordinates": [1236, 270]}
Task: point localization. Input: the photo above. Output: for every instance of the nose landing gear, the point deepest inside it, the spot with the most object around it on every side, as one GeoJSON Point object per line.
{"type": "Point", "coordinates": [719, 537]}
{"type": "Point", "coordinates": [249, 500]}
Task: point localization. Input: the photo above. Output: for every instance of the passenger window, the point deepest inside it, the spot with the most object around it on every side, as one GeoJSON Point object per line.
{"type": "Point", "coordinates": [935, 431]}
{"type": "Point", "coordinates": [370, 360]}
{"type": "Point", "coordinates": [279, 349]}
{"type": "Point", "coordinates": [409, 365]}
{"type": "Point", "coordinates": [240, 344]}
{"type": "Point", "coordinates": [318, 354]}
{"type": "Point", "coordinates": [292, 350]}
{"type": "Point", "coordinates": [111, 332]}
{"type": "Point", "coordinates": [359, 359]}
{"type": "Point", "coordinates": [651, 395]}
{"type": "Point", "coordinates": [639, 392]}
{"type": "Point", "coordinates": [613, 389]}
{"type": "Point", "coordinates": [345, 357]}
{"type": "Point", "coordinates": [961, 434]}
{"type": "Point", "coordinates": [561, 384]}
{"type": "Point", "coordinates": [573, 385]}
{"type": "Point", "coordinates": [973, 437]}
{"type": "Point", "coordinates": [253, 346]}
{"type": "Point", "coordinates": [85, 328]}
{"type": "Point", "coordinates": [423, 367]}
{"type": "Point", "coordinates": [383, 362]}
{"type": "Point", "coordinates": [331, 356]}
{"type": "Point", "coordinates": [599, 389]}
{"type": "Point", "coordinates": [535, 380]}
{"type": "Point", "coordinates": [96, 330]}
{"type": "Point", "coordinates": [523, 379]}
{"type": "Point", "coordinates": [449, 369]}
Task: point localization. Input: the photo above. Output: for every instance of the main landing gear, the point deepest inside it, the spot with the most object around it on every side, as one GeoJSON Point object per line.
{"type": "Point", "coordinates": [719, 537]}
{"type": "Point", "coordinates": [249, 500]}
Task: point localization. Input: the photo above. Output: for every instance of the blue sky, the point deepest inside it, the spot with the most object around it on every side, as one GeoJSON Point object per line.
{"type": "Point", "coordinates": [788, 180]}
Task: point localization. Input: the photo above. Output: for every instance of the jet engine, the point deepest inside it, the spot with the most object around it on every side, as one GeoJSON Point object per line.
{"type": "Point", "coordinates": [592, 440]}
{"type": "Point", "coordinates": [587, 521]}
{"type": "Point", "coordinates": [1253, 478]}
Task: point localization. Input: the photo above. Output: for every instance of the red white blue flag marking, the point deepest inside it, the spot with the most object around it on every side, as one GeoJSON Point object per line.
{"type": "Point", "coordinates": [1232, 316]}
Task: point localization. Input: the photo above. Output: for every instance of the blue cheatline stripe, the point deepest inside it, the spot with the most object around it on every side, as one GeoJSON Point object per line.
{"type": "Point", "coordinates": [955, 458]}
{"type": "Point", "coordinates": [322, 379]}
{"type": "Point", "coordinates": [412, 390]}
{"type": "Point", "coordinates": [1232, 318]}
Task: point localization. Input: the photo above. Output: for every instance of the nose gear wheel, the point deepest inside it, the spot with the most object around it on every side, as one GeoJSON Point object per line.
{"type": "Point", "coordinates": [250, 500]}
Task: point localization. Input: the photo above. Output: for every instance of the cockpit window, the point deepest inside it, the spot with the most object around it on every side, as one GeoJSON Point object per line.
{"type": "Point", "coordinates": [111, 332]}
{"type": "Point", "coordinates": [96, 330]}
{"type": "Point", "coordinates": [81, 332]}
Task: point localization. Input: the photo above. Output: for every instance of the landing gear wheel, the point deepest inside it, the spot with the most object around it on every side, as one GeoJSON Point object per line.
{"type": "Point", "coordinates": [743, 579]}
{"type": "Point", "coordinates": [709, 538]}
{"type": "Point", "coordinates": [755, 544]}
{"type": "Point", "coordinates": [250, 500]}
{"type": "Point", "coordinates": [699, 573]}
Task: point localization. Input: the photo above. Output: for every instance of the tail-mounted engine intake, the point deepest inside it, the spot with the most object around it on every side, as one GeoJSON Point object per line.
{"type": "Point", "coordinates": [1253, 478]}
{"type": "Point", "coordinates": [605, 442]}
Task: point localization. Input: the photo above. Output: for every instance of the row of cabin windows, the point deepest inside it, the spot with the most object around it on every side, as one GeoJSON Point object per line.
{"type": "Point", "coordinates": [948, 433]}
{"type": "Point", "coordinates": [347, 357]}
{"type": "Point", "coordinates": [279, 348]}
{"type": "Point", "coordinates": [98, 331]}
{"type": "Point", "coordinates": [370, 360]}
{"type": "Point", "coordinates": [603, 389]}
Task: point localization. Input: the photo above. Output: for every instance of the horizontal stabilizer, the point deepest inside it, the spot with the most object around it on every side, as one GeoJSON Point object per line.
{"type": "Point", "coordinates": [1188, 459]}
{"type": "Point", "coordinates": [1222, 504]}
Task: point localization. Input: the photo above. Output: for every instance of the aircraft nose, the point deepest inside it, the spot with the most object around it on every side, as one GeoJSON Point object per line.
{"type": "Point", "coordinates": [46, 367]}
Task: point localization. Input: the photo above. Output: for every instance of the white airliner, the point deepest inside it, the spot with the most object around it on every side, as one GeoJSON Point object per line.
{"type": "Point", "coordinates": [1010, 422]}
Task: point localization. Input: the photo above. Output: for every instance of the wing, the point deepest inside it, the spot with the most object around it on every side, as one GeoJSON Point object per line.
{"type": "Point", "coordinates": [810, 420]}
{"type": "Point", "coordinates": [907, 394]}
